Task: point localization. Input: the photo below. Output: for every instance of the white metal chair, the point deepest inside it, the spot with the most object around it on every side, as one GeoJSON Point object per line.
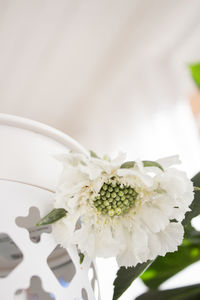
{"type": "Point", "coordinates": [28, 177]}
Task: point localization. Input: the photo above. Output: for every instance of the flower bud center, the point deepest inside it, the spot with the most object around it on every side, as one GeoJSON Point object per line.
{"type": "Point", "coordinates": [115, 199]}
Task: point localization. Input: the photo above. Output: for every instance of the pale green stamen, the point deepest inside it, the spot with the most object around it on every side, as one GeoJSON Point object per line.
{"type": "Point", "coordinates": [115, 199]}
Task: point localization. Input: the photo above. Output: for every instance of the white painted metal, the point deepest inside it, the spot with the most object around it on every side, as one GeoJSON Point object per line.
{"type": "Point", "coordinates": [28, 176]}
{"type": "Point", "coordinates": [28, 150]}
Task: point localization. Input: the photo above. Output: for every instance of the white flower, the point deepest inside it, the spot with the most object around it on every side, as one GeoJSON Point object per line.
{"type": "Point", "coordinates": [132, 213]}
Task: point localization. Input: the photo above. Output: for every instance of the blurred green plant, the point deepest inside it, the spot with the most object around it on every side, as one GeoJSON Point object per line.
{"type": "Point", "coordinates": [195, 72]}
{"type": "Point", "coordinates": [191, 292]}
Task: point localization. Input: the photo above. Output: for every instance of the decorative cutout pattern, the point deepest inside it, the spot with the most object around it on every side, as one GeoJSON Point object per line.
{"type": "Point", "coordinates": [61, 265]}
{"type": "Point", "coordinates": [93, 280]}
{"type": "Point", "coordinates": [10, 255]}
{"type": "Point", "coordinates": [34, 292]}
{"type": "Point", "coordinates": [29, 224]}
{"type": "Point", "coordinates": [84, 294]}
{"type": "Point", "coordinates": [18, 199]}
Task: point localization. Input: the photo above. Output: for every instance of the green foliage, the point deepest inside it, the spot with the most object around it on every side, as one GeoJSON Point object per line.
{"type": "Point", "coordinates": [52, 217]}
{"type": "Point", "coordinates": [191, 292]}
{"type": "Point", "coordinates": [125, 276]}
{"type": "Point", "coordinates": [165, 267]}
{"type": "Point", "coordinates": [195, 72]}
{"type": "Point", "coordinates": [195, 206]}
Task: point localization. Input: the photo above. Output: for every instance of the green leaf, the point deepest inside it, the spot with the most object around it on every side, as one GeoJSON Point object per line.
{"type": "Point", "coordinates": [165, 267]}
{"type": "Point", "coordinates": [146, 163]}
{"type": "Point", "coordinates": [195, 72]}
{"type": "Point", "coordinates": [191, 292]}
{"type": "Point", "coordinates": [125, 276]}
{"type": "Point", "coordinates": [192, 234]}
{"type": "Point", "coordinates": [195, 206]}
{"type": "Point", "coordinates": [55, 215]}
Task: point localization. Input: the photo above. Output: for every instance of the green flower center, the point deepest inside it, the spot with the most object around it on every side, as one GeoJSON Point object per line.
{"type": "Point", "coordinates": [115, 199]}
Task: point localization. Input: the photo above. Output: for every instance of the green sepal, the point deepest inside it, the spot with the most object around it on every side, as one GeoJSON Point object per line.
{"type": "Point", "coordinates": [164, 268]}
{"type": "Point", "coordinates": [146, 163]}
{"type": "Point", "coordinates": [128, 165]}
{"type": "Point", "coordinates": [93, 154]}
{"type": "Point", "coordinates": [195, 72]}
{"type": "Point", "coordinates": [125, 277]}
{"type": "Point", "coordinates": [149, 163]}
{"type": "Point", "coordinates": [52, 217]}
{"type": "Point", "coordinates": [81, 256]}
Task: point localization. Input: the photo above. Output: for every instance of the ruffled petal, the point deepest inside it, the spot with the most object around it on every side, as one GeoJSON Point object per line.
{"type": "Point", "coordinates": [154, 218]}
{"type": "Point", "coordinates": [106, 244]}
{"type": "Point", "coordinates": [136, 176]}
{"type": "Point", "coordinates": [86, 240]}
{"type": "Point", "coordinates": [63, 230]}
{"type": "Point", "coordinates": [72, 180]}
{"type": "Point", "coordinates": [169, 161]}
{"type": "Point", "coordinates": [118, 161]}
{"type": "Point", "coordinates": [135, 247]}
{"type": "Point", "coordinates": [170, 238]}
{"type": "Point", "coordinates": [165, 241]}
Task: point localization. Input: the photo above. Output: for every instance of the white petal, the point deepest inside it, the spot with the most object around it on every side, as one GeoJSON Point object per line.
{"type": "Point", "coordinates": [165, 241]}
{"type": "Point", "coordinates": [154, 218]}
{"type": "Point", "coordinates": [72, 179]}
{"type": "Point", "coordinates": [135, 247]}
{"type": "Point", "coordinates": [93, 171]}
{"type": "Point", "coordinates": [85, 239]}
{"type": "Point", "coordinates": [63, 230]}
{"type": "Point", "coordinates": [126, 256]}
{"type": "Point", "coordinates": [106, 244]}
{"type": "Point", "coordinates": [179, 213]}
{"type": "Point", "coordinates": [165, 204]}
{"type": "Point", "coordinates": [154, 245]}
{"type": "Point", "coordinates": [118, 161]}
{"type": "Point", "coordinates": [72, 158]}
{"type": "Point", "coordinates": [167, 162]}
{"type": "Point", "coordinates": [175, 182]}
{"type": "Point", "coordinates": [170, 238]}
{"type": "Point", "coordinates": [103, 165]}
{"type": "Point", "coordinates": [136, 176]}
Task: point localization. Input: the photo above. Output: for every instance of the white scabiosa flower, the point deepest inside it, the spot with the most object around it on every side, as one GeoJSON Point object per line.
{"type": "Point", "coordinates": [132, 211]}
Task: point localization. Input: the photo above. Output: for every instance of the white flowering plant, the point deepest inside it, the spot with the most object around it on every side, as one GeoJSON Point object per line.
{"type": "Point", "coordinates": [136, 211]}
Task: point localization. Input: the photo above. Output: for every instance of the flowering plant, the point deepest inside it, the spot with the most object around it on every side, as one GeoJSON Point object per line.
{"type": "Point", "coordinates": [134, 211]}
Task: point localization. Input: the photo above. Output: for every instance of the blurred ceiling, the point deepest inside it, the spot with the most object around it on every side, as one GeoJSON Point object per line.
{"type": "Point", "coordinates": [109, 73]}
